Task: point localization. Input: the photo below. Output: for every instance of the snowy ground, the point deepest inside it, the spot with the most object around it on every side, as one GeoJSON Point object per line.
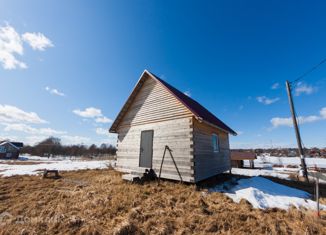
{"type": "Point", "coordinates": [263, 193]}
{"type": "Point", "coordinates": [269, 161]}
{"type": "Point", "coordinates": [31, 165]}
{"type": "Point", "coordinates": [265, 166]}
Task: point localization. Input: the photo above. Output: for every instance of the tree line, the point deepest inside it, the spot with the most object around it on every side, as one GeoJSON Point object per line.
{"type": "Point", "coordinates": [52, 146]}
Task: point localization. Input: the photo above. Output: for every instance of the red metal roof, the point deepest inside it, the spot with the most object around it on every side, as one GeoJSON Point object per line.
{"type": "Point", "coordinates": [197, 109]}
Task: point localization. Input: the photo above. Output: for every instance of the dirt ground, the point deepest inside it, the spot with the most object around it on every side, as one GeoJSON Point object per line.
{"type": "Point", "coordinates": [99, 202]}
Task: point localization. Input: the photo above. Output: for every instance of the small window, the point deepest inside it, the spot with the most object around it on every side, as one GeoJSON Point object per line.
{"type": "Point", "coordinates": [215, 143]}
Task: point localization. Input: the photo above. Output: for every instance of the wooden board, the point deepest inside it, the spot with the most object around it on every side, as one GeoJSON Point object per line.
{"type": "Point", "coordinates": [177, 134]}
{"type": "Point", "coordinates": [208, 163]}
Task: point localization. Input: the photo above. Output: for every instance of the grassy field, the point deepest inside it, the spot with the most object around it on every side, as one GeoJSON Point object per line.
{"type": "Point", "coordinates": [99, 202]}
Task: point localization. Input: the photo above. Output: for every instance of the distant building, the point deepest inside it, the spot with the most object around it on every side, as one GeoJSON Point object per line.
{"type": "Point", "coordinates": [237, 159]}
{"type": "Point", "coordinates": [10, 150]}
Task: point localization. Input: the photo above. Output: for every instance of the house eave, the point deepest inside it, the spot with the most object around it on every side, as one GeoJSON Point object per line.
{"type": "Point", "coordinates": [210, 124]}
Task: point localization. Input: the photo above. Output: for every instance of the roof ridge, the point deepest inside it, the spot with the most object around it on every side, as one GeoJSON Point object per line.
{"type": "Point", "coordinates": [194, 106]}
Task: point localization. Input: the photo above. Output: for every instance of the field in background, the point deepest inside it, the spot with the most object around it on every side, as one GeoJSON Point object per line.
{"type": "Point", "coordinates": [98, 201]}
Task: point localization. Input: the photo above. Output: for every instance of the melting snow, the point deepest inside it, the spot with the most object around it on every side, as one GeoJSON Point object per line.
{"type": "Point", "coordinates": [257, 172]}
{"type": "Point", "coordinates": [61, 164]}
{"type": "Point", "coordinates": [269, 161]}
{"type": "Point", "coordinates": [263, 193]}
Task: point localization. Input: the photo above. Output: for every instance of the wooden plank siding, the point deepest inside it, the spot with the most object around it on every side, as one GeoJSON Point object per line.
{"type": "Point", "coordinates": [153, 103]}
{"type": "Point", "coordinates": [208, 163]}
{"type": "Point", "coordinates": [155, 108]}
{"type": "Point", "coordinates": [177, 134]}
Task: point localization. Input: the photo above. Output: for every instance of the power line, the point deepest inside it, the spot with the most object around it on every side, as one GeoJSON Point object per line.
{"type": "Point", "coordinates": [309, 71]}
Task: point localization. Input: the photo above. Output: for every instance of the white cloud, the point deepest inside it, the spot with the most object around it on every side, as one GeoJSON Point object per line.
{"type": "Point", "coordinates": [267, 101]}
{"type": "Point", "coordinates": [323, 113]}
{"type": "Point", "coordinates": [303, 88]}
{"type": "Point", "coordinates": [275, 86]}
{"type": "Point", "coordinates": [94, 113]}
{"type": "Point", "coordinates": [34, 139]}
{"type": "Point", "coordinates": [110, 138]}
{"type": "Point", "coordinates": [31, 130]}
{"type": "Point", "coordinates": [277, 121]}
{"type": "Point", "coordinates": [11, 114]}
{"type": "Point", "coordinates": [54, 91]}
{"type": "Point", "coordinates": [10, 46]}
{"type": "Point", "coordinates": [103, 120]}
{"type": "Point", "coordinates": [37, 41]}
{"type": "Point", "coordinates": [8, 137]}
{"type": "Point", "coordinates": [240, 132]}
{"type": "Point", "coordinates": [187, 93]}
{"type": "Point", "coordinates": [101, 131]}
{"type": "Point", "coordinates": [90, 112]}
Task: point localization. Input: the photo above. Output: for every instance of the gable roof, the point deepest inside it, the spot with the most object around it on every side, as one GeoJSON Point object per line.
{"type": "Point", "coordinates": [16, 145]}
{"type": "Point", "coordinates": [197, 109]}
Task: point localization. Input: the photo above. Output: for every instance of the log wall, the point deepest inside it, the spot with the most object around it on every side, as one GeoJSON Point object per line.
{"type": "Point", "coordinates": [207, 162]}
{"type": "Point", "coordinates": [155, 108]}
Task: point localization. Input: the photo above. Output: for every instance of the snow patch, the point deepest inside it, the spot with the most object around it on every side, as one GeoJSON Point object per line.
{"type": "Point", "coordinates": [263, 193]}
{"type": "Point", "coordinates": [61, 164]}
{"type": "Point", "coordinates": [258, 172]}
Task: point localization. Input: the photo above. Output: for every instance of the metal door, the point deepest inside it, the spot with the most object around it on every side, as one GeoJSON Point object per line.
{"type": "Point", "coordinates": [146, 149]}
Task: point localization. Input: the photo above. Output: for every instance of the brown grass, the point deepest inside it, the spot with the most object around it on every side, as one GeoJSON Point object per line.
{"type": "Point", "coordinates": [98, 202]}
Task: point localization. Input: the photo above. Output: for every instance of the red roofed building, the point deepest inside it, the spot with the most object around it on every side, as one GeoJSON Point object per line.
{"type": "Point", "coordinates": [157, 115]}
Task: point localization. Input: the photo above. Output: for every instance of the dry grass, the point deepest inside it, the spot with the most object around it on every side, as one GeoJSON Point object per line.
{"type": "Point", "coordinates": [98, 202]}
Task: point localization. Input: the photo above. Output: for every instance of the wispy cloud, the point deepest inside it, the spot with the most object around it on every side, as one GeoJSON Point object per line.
{"type": "Point", "coordinates": [21, 127]}
{"type": "Point", "coordinates": [11, 114]}
{"type": "Point", "coordinates": [267, 101]}
{"type": "Point", "coordinates": [37, 41]}
{"type": "Point", "coordinates": [278, 121]}
{"type": "Point", "coordinates": [103, 120]}
{"type": "Point", "coordinates": [101, 131]}
{"type": "Point", "coordinates": [90, 112]}
{"type": "Point", "coordinates": [11, 46]}
{"type": "Point", "coordinates": [54, 91]}
{"type": "Point", "coordinates": [303, 88]}
{"type": "Point", "coordinates": [275, 86]}
{"type": "Point", "coordinates": [93, 113]}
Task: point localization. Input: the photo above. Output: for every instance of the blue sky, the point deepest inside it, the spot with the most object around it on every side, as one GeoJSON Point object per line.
{"type": "Point", "coordinates": [70, 65]}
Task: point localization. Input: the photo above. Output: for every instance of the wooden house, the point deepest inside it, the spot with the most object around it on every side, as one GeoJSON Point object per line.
{"type": "Point", "coordinates": [10, 150]}
{"type": "Point", "coordinates": [157, 115]}
{"type": "Point", "coordinates": [238, 158]}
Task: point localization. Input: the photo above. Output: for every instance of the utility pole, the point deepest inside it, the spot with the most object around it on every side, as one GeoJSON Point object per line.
{"type": "Point", "coordinates": [297, 133]}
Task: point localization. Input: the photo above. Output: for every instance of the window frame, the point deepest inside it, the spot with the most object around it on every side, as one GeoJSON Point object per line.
{"type": "Point", "coordinates": [215, 142]}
